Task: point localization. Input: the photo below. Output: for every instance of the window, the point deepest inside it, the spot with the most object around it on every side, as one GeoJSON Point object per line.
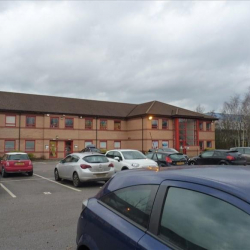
{"type": "Point", "coordinates": [110, 154]}
{"type": "Point", "coordinates": [117, 125]}
{"type": "Point", "coordinates": [193, 220]}
{"type": "Point", "coordinates": [149, 155]}
{"type": "Point", "coordinates": [10, 120]}
{"type": "Point", "coordinates": [117, 144]}
{"type": "Point", "coordinates": [96, 159]}
{"type": "Point", "coordinates": [158, 157]}
{"type": "Point", "coordinates": [88, 123]}
{"type": "Point", "coordinates": [155, 144]}
{"type": "Point", "coordinates": [164, 123]}
{"type": "Point", "coordinates": [69, 122]}
{"type": "Point", "coordinates": [117, 154]}
{"type": "Point", "coordinates": [88, 143]}
{"type": "Point", "coordinates": [154, 124]}
{"type": "Point", "coordinates": [209, 144]}
{"type": "Point", "coordinates": [201, 144]}
{"type": "Point", "coordinates": [103, 145]}
{"type": "Point", "coordinates": [9, 146]}
{"type": "Point", "coordinates": [208, 126]}
{"type": "Point", "coordinates": [207, 154]}
{"type": "Point", "coordinates": [200, 126]}
{"type": "Point", "coordinates": [247, 151]}
{"type": "Point", "coordinates": [54, 122]}
{"type": "Point", "coordinates": [135, 203]}
{"type": "Point", "coordinates": [164, 144]}
{"type": "Point", "coordinates": [103, 124]}
{"type": "Point", "coordinates": [30, 121]}
{"type": "Point", "coordinates": [30, 146]}
{"type": "Point", "coordinates": [133, 155]}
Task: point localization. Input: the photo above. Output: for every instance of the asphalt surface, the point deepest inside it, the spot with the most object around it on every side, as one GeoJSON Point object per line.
{"type": "Point", "coordinates": [38, 213]}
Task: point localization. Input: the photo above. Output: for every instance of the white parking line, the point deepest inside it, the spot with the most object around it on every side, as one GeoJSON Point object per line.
{"type": "Point", "coordinates": [8, 191]}
{"type": "Point", "coordinates": [78, 190]}
{"type": "Point", "coordinates": [33, 179]}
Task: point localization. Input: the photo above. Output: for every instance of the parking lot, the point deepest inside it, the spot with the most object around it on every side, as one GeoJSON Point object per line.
{"type": "Point", "coordinates": [37, 212]}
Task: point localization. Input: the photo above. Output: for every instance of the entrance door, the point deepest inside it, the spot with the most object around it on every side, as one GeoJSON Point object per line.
{"type": "Point", "coordinates": [53, 149]}
{"type": "Point", "coordinates": [68, 146]}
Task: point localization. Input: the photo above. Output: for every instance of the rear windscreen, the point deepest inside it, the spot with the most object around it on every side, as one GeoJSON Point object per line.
{"type": "Point", "coordinates": [18, 157]}
{"type": "Point", "coordinates": [177, 157]}
{"type": "Point", "coordinates": [96, 159]}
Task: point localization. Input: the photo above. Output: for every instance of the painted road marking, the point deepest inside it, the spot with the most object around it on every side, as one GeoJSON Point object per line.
{"type": "Point", "coordinates": [8, 191]}
{"type": "Point", "coordinates": [78, 190]}
{"type": "Point", "coordinates": [33, 179]}
{"type": "Point", "coordinates": [46, 192]}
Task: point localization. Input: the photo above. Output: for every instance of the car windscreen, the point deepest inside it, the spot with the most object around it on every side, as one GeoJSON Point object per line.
{"type": "Point", "coordinates": [177, 157]}
{"type": "Point", "coordinates": [133, 155]}
{"type": "Point", "coordinates": [18, 157]}
{"type": "Point", "coordinates": [96, 159]}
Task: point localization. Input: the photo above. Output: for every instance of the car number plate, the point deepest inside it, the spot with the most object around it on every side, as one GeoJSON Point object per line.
{"type": "Point", "coordinates": [19, 163]}
{"type": "Point", "coordinates": [180, 163]}
{"type": "Point", "coordinates": [100, 175]}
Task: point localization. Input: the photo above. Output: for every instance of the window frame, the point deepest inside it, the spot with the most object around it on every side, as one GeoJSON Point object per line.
{"type": "Point", "coordinates": [210, 129]}
{"type": "Point", "coordinates": [156, 213]}
{"type": "Point", "coordinates": [11, 149]}
{"type": "Point", "coordinates": [167, 120]}
{"type": "Point", "coordinates": [104, 120]}
{"type": "Point", "coordinates": [120, 144]}
{"type": "Point", "coordinates": [30, 126]}
{"type": "Point", "coordinates": [9, 124]}
{"type": "Point", "coordinates": [34, 149]}
{"type": "Point", "coordinates": [207, 144]}
{"type": "Point", "coordinates": [101, 142]}
{"type": "Point", "coordinates": [202, 145]}
{"type": "Point", "coordinates": [91, 120]}
{"type": "Point", "coordinates": [54, 117]}
{"type": "Point", "coordinates": [91, 142]}
{"type": "Point", "coordinates": [152, 126]}
{"type": "Point", "coordinates": [116, 121]}
{"type": "Point", "coordinates": [202, 127]}
{"type": "Point", "coordinates": [69, 127]}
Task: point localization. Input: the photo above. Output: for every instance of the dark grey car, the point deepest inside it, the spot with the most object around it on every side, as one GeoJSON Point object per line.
{"type": "Point", "coordinates": [245, 151]}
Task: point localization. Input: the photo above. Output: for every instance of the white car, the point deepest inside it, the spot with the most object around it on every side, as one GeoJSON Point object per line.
{"type": "Point", "coordinates": [82, 167]}
{"type": "Point", "coordinates": [124, 159]}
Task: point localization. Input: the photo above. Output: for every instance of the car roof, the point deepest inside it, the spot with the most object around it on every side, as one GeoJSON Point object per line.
{"type": "Point", "coordinates": [16, 153]}
{"type": "Point", "coordinates": [230, 179]}
{"type": "Point", "coordinates": [123, 150]}
{"type": "Point", "coordinates": [166, 152]}
{"type": "Point", "coordinates": [86, 154]}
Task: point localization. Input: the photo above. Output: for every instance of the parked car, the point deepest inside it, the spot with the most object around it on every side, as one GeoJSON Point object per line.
{"type": "Point", "coordinates": [91, 148]}
{"type": "Point", "coordinates": [218, 157]}
{"type": "Point", "coordinates": [16, 162]}
{"type": "Point", "coordinates": [174, 208]}
{"type": "Point", "coordinates": [245, 151]}
{"type": "Point", "coordinates": [171, 150]}
{"type": "Point", "coordinates": [124, 159]}
{"type": "Point", "coordinates": [83, 167]}
{"type": "Point", "coordinates": [165, 159]}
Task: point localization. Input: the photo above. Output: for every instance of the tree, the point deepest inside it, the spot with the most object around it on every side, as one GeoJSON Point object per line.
{"type": "Point", "coordinates": [199, 109]}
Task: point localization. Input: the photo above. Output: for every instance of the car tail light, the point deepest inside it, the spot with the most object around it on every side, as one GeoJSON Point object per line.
{"type": "Point", "coordinates": [230, 158]}
{"type": "Point", "coordinates": [111, 165]}
{"type": "Point", "coordinates": [30, 163]}
{"type": "Point", "coordinates": [85, 166]}
{"type": "Point", "coordinates": [168, 159]}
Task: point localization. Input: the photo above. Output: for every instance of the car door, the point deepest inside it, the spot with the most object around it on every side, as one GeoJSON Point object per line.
{"type": "Point", "coordinates": [196, 217]}
{"type": "Point", "coordinates": [160, 159]}
{"type": "Point", "coordinates": [206, 158]}
{"type": "Point", "coordinates": [70, 167]}
{"type": "Point", "coordinates": [62, 168]}
{"type": "Point", "coordinates": [118, 220]}
{"type": "Point", "coordinates": [217, 157]}
{"type": "Point", "coordinates": [118, 164]}
{"type": "Point", "coordinates": [246, 154]}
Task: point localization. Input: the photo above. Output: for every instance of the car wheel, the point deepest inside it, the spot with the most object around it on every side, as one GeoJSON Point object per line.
{"type": "Point", "coordinates": [163, 165]}
{"type": "Point", "coordinates": [223, 163]}
{"type": "Point", "coordinates": [76, 180]}
{"type": "Point", "coordinates": [191, 163]}
{"type": "Point", "coordinates": [124, 168]}
{"type": "Point", "coordinates": [30, 173]}
{"type": "Point", "coordinates": [56, 174]}
{"type": "Point", "coordinates": [4, 174]}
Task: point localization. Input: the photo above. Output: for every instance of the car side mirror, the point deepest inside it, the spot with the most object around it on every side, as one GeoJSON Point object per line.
{"type": "Point", "coordinates": [117, 158]}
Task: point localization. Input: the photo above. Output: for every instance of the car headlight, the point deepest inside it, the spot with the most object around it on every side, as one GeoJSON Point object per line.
{"type": "Point", "coordinates": [135, 165]}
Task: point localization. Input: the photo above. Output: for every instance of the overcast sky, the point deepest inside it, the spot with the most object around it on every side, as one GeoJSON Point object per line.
{"type": "Point", "coordinates": [183, 53]}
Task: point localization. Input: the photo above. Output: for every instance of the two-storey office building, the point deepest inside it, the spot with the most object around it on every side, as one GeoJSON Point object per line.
{"type": "Point", "coordinates": [52, 127]}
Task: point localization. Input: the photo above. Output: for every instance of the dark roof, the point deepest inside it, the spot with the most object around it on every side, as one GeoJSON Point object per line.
{"type": "Point", "coordinates": [231, 179]}
{"type": "Point", "coordinates": [18, 102]}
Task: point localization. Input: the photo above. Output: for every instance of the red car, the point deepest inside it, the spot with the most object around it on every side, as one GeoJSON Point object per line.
{"type": "Point", "coordinates": [16, 162]}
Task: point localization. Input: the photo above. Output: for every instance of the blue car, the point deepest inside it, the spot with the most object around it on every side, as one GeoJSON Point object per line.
{"type": "Point", "coordinates": [169, 208]}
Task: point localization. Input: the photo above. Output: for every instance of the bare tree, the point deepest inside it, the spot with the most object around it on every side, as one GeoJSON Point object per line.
{"type": "Point", "coordinates": [200, 109]}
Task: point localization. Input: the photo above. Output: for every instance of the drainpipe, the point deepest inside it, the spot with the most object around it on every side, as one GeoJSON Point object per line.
{"type": "Point", "coordinates": [96, 130]}
{"type": "Point", "coordinates": [19, 136]}
{"type": "Point", "coordinates": [142, 132]}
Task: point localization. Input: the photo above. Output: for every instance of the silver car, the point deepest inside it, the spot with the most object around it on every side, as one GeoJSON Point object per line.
{"type": "Point", "coordinates": [82, 167]}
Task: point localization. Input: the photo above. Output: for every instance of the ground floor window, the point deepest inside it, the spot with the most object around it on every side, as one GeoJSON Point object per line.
{"type": "Point", "coordinates": [9, 146]}
{"type": "Point", "coordinates": [117, 144]}
{"type": "Point", "coordinates": [209, 144]}
{"type": "Point", "coordinates": [103, 145]}
{"type": "Point", "coordinates": [30, 146]}
{"type": "Point", "coordinates": [88, 143]}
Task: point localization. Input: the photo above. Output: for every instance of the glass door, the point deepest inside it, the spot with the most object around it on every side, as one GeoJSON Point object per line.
{"type": "Point", "coordinates": [53, 149]}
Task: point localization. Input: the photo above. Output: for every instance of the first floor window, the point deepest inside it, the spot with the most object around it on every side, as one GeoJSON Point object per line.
{"type": "Point", "coordinates": [30, 145]}
{"type": "Point", "coordinates": [103, 124]}
{"type": "Point", "coordinates": [117, 125]}
{"type": "Point", "coordinates": [69, 122]}
{"type": "Point", "coordinates": [10, 120]}
{"type": "Point", "coordinates": [88, 123]}
{"type": "Point", "coordinates": [164, 123]}
{"type": "Point", "coordinates": [208, 126]}
{"type": "Point", "coordinates": [30, 121]}
{"type": "Point", "coordinates": [154, 123]}
{"type": "Point", "coordinates": [54, 122]}
{"type": "Point", "coordinates": [9, 145]}
{"type": "Point", "coordinates": [117, 144]}
{"type": "Point", "coordinates": [201, 144]}
{"type": "Point", "coordinates": [200, 126]}
{"type": "Point", "coordinates": [103, 144]}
